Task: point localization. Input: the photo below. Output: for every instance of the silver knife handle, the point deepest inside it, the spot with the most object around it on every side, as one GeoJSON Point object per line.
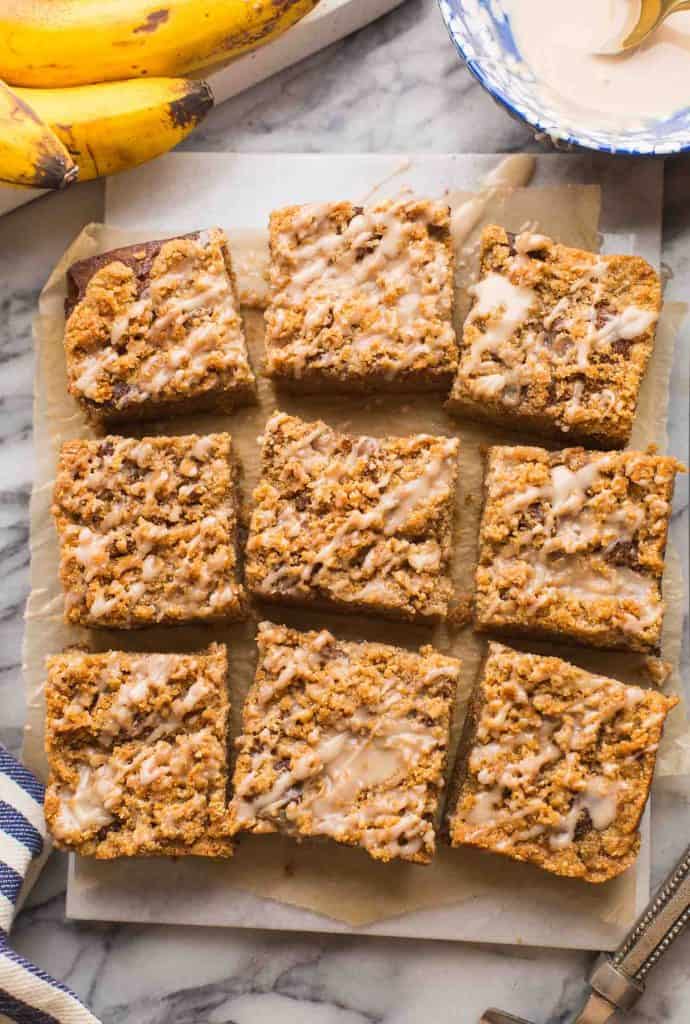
{"type": "Point", "coordinates": [621, 979]}
{"type": "Point", "coordinates": [659, 925]}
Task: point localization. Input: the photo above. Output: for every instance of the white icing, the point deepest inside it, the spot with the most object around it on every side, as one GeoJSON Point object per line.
{"type": "Point", "coordinates": [562, 45]}
{"type": "Point", "coordinates": [511, 172]}
{"type": "Point", "coordinates": [599, 799]}
{"type": "Point", "coordinates": [372, 272]}
{"type": "Point", "coordinates": [517, 770]}
{"type": "Point", "coordinates": [504, 357]}
{"type": "Point", "coordinates": [352, 783]}
{"type": "Point", "coordinates": [85, 809]}
{"type": "Point", "coordinates": [195, 301]}
{"type": "Point", "coordinates": [319, 457]}
{"type": "Point", "coordinates": [92, 551]}
{"type": "Point", "coordinates": [506, 304]}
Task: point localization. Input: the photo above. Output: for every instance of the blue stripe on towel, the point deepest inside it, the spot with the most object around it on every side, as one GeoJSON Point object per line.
{"type": "Point", "coordinates": [10, 882]}
{"type": "Point", "coordinates": [23, 986]}
{"type": "Point", "coordinates": [21, 1012]}
{"type": "Point", "coordinates": [21, 775]}
{"type": "Point", "coordinates": [77, 1009]}
{"type": "Point", "coordinates": [15, 824]}
{"type": "Point", "coordinates": [15, 958]}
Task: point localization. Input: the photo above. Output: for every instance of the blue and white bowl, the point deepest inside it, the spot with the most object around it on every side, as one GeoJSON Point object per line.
{"type": "Point", "coordinates": [480, 30]}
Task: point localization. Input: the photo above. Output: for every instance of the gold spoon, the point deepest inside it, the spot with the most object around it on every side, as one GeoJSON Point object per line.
{"type": "Point", "coordinates": [652, 13]}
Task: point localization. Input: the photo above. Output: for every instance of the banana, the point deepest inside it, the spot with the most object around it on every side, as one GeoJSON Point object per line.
{"type": "Point", "coordinates": [110, 126]}
{"type": "Point", "coordinates": [55, 43]}
{"type": "Point", "coordinates": [30, 154]}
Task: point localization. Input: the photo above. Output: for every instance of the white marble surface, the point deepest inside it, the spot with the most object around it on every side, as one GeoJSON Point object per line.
{"type": "Point", "coordinates": [396, 86]}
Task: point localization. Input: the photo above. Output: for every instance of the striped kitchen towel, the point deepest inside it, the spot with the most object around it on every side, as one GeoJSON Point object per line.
{"type": "Point", "coordinates": [27, 994]}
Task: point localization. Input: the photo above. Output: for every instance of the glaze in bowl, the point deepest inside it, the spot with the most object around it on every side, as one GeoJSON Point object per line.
{"type": "Point", "coordinates": [481, 33]}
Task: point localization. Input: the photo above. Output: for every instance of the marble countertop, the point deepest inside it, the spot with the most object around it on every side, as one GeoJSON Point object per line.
{"type": "Point", "coordinates": [396, 86]}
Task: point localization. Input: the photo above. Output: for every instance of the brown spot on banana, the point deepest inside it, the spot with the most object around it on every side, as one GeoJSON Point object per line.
{"type": "Point", "coordinates": [31, 154]}
{"type": "Point", "coordinates": [153, 20]}
{"type": "Point", "coordinates": [245, 38]}
{"type": "Point", "coordinates": [50, 170]}
{"type": "Point", "coordinates": [193, 106]}
{"type": "Point", "coordinates": [167, 38]}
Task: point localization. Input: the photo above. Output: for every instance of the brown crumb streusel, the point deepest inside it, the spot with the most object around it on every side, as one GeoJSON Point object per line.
{"type": "Point", "coordinates": [354, 523]}
{"type": "Point", "coordinates": [148, 530]}
{"type": "Point", "coordinates": [155, 328]}
{"type": "Point", "coordinates": [555, 765]}
{"type": "Point", "coordinates": [346, 741]}
{"type": "Point", "coordinates": [558, 339]}
{"type": "Point", "coordinates": [361, 297]}
{"type": "Point", "coordinates": [572, 545]}
{"type": "Point", "coordinates": [137, 747]}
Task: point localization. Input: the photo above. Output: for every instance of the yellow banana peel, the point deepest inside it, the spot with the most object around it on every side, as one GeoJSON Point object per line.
{"type": "Point", "coordinates": [56, 43]}
{"type": "Point", "coordinates": [30, 153]}
{"type": "Point", "coordinates": [111, 126]}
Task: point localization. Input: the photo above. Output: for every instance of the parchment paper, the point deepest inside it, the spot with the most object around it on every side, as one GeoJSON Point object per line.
{"type": "Point", "coordinates": [326, 879]}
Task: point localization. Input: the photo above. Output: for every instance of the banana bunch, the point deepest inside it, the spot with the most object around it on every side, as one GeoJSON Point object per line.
{"type": "Point", "coordinates": [92, 87]}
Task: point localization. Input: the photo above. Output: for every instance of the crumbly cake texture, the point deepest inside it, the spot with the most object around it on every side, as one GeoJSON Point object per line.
{"type": "Point", "coordinates": [361, 297]}
{"type": "Point", "coordinates": [572, 545]}
{"type": "Point", "coordinates": [155, 328]}
{"type": "Point", "coordinates": [148, 530]}
{"type": "Point", "coordinates": [353, 523]}
{"type": "Point", "coordinates": [137, 747]}
{"type": "Point", "coordinates": [555, 765]}
{"type": "Point", "coordinates": [558, 339]}
{"type": "Point", "coordinates": [346, 741]}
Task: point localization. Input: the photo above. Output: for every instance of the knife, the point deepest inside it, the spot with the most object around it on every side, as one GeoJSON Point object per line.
{"type": "Point", "coordinates": [618, 981]}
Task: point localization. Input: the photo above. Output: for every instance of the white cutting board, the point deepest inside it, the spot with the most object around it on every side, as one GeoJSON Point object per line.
{"type": "Point", "coordinates": [329, 21]}
{"type": "Point", "coordinates": [239, 189]}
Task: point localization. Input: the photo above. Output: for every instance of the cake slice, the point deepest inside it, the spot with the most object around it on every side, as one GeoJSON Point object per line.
{"type": "Point", "coordinates": [558, 339]}
{"type": "Point", "coordinates": [353, 523]}
{"type": "Point", "coordinates": [346, 741]}
{"type": "Point", "coordinates": [572, 545]}
{"type": "Point", "coordinates": [148, 531]}
{"type": "Point", "coordinates": [555, 765]}
{"type": "Point", "coordinates": [137, 748]}
{"type": "Point", "coordinates": [361, 297]}
{"type": "Point", "coordinates": [154, 329]}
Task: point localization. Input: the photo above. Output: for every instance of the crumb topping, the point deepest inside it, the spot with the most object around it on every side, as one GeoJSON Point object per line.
{"type": "Point", "coordinates": [178, 334]}
{"type": "Point", "coordinates": [353, 520]}
{"type": "Point", "coordinates": [137, 751]}
{"type": "Point", "coordinates": [558, 765]}
{"type": "Point", "coordinates": [345, 740]}
{"type": "Point", "coordinates": [361, 291]}
{"type": "Point", "coordinates": [573, 542]}
{"type": "Point", "coordinates": [147, 530]}
{"type": "Point", "coordinates": [558, 334]}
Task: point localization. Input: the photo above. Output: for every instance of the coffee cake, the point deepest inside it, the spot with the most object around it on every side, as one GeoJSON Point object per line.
{"type": "Point", "coordinates": [555, 765]}
{"type": "Point", "coordinates": [155, 328]}
{"type": "Point", "coordinates": [353, 523]}
{"type": "Point", "coordinates": [558, 339]}
{"type": "Point", "coordinates": [137, 747]}
{"type": "Point", "coordinates": [572, 545]}
{"type": "Point", "coordinates": [346, 741]}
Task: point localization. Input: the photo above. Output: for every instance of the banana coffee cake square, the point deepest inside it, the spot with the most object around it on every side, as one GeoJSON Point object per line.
{"type": "Point", "coordinates": [361, 297]}
{"type": "Point", "coordinates": [558, 339]}
{"type": "Point", "coordinates": [555, 765]}
{"type": "Point", "coordinates": [148, 531]}
{"type": "Point", "coordinates": [155, 328]}
{"type": "Point", "coordinates": [346, 741]}
{"type": "Point", "coordinates": [572, 545]}
{"type": "Point", "coordinates": [353, 523]}
{"type": "Point", "coordinates": [137, 748]}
